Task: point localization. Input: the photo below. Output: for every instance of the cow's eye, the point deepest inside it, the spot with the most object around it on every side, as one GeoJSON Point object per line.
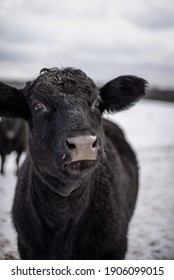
{"type": "Point", "coordinates": [38, 106]}
{"type": "Point", "coordinates": [95, 104]}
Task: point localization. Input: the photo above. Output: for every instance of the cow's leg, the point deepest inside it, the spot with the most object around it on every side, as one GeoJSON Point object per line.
{"type": "Point", "coordinates": [2, 163]}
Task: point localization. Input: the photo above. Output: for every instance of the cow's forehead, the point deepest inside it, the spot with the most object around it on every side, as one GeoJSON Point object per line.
{"type": "Point", "coordinates": [61, 76]}
{"type": "Point", "coordinates": [67, 81]}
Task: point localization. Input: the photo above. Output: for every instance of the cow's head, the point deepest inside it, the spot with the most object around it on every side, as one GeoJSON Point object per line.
{"type": "Point", "coordinates": [63, 109]}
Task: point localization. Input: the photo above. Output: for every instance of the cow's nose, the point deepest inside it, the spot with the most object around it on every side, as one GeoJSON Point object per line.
{"type": "Point", "coordinates": [83, 147]}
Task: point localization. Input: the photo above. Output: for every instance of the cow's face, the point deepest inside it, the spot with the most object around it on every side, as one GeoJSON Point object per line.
{"type": "Point", "coordinates": [65, 132]}
{"type": "Point", "coordinates": [63, 109]}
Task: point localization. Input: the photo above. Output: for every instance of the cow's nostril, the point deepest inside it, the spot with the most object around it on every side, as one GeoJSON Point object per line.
{"type": "Point", "coordinates": [94, 145]}
{"type": "Point", "coordinates": [70, 146]}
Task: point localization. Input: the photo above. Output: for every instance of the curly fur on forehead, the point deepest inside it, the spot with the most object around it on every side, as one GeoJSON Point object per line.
{"type": "Point", "coordinates": [63, 78]}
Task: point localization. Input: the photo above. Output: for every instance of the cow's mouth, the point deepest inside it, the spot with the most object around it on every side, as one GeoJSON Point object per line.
{"type": "Point", "coordinates": [82, 166]}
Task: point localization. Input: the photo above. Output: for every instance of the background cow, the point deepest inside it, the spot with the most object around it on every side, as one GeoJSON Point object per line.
{"type": "Point", "coordinates": [12, 138]}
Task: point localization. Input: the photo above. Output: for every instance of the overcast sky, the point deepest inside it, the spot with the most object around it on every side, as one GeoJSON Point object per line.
{"type": "Point", "coordinates": [104, 38]}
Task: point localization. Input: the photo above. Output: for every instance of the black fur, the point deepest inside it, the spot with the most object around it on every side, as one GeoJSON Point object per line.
{"type": "Point", "coordinates": [130, 89]}
{"type": "Point", "coordinates": [58, 214]}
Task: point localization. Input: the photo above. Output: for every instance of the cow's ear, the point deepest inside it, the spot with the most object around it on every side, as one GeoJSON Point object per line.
{"type": "Point", "coordinates": [12, 102]}
{"type": "Point", "coordinates": [121, 93]}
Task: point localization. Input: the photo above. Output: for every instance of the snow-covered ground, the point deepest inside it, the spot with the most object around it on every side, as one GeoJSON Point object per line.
{"type": "Point", "coordinates": [149, 126]}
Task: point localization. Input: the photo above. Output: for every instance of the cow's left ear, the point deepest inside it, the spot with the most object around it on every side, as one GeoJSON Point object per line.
{"type": "Point", "coordinates": [12, 102]}
{"type": "Point", "coordinates": [121, 93]}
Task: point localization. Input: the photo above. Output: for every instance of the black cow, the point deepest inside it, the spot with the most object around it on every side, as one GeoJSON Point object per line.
{"type": "Point", "coordinates": [12, 138]}
{"type": "Point", "coordinates": [78, 185]}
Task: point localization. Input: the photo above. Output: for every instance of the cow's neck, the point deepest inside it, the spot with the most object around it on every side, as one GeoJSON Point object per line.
{"type": "Point", "coordinates": [56, 210]}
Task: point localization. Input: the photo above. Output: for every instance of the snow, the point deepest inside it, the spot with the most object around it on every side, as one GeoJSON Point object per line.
{"type": "Point", "coordinates": [149, 127]}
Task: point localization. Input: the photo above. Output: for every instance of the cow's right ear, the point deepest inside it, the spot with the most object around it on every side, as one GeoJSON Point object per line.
{"type": "Point", "coordinates": [12, 102]}
{"type": "Point", "coordinates": [121, 93]}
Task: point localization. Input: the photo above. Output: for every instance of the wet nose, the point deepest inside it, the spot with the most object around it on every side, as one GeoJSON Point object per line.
{"type": "Point", "coordinates": [83, 147]}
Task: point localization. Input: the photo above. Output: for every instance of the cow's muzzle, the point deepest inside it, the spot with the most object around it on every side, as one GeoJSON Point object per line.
{"type": "Point", "coordinates": [83, 153]}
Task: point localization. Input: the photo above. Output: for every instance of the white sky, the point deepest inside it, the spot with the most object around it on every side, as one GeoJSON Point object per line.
{"type": "Point", "coordinates": [103, 38]}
